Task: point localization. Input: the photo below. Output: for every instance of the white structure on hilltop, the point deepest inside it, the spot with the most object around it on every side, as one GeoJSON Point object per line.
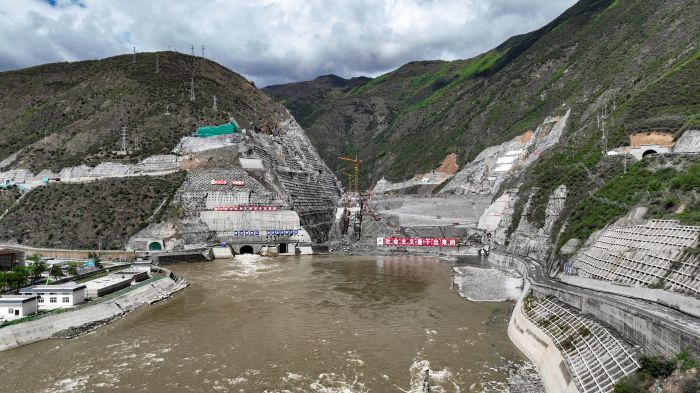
{"type": "Point", "coordinates": [57, 296]}
{"type": "Point", "coordinates": [17, 306]}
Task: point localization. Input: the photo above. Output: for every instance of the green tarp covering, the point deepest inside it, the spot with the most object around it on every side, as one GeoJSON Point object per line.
{"type": "Point", "coordinates": [209, 131]}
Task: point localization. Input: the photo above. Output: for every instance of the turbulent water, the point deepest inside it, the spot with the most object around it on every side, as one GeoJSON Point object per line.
{"type": "Point", "coordinates": [299, 324]}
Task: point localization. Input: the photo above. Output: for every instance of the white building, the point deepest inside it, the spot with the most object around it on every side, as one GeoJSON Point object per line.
{"type": "Point", "coordinates": [17, 306]}
{"type": "Point", "coordinates": [57, 296]}
{"type": "Point", "coordinates": [113, 282]}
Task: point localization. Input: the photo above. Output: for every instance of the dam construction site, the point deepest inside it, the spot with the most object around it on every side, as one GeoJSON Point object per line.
{"type": "Point", "coordinates": [526, 220]}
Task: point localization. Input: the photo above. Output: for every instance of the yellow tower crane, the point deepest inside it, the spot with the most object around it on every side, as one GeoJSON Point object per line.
{"type": "Point", "coordinates": [351, 183]}
{"type": "Point", "coordinates": [356, 167]}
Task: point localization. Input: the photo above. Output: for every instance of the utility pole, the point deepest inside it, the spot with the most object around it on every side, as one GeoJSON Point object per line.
{"type": "Point", "coordinates": [192, 85]}
{"type": "Point", "coordinates": [133, 59]}
{"type": "Point", "coordinates": [602, 120]}
{"type": "Point", "coordinates": [124, 141]}
{"type": "Point", "coordinates": [192, 50]}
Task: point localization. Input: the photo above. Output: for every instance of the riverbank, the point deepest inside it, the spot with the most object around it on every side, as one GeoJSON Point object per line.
{"type": "Point", "coordinates": [83, 320]}
{"type": "Point", "coordinates": [530, 339]}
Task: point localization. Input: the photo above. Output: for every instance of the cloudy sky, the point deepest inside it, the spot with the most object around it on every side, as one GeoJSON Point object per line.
{"type": "Point", "coordinates": [268, 41]}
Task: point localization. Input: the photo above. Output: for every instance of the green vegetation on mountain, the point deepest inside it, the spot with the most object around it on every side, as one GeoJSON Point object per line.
{"type": "Point", "coordinates": [88, 215]}
{"type": "Point", "coordinates": [67, 114]}
{"type": "Point", "coordinates": [302, 97]}
{"type": "Point", "coordinates": [666, 187]}
{"type": "Point", "coordinates": [680, 373]}
{"type": "Point", "coordinates": [637, 59]}
{"type": "Point", "coordinates": [632, 65]}
{"type": "Point", "coordinates": [8, 198]}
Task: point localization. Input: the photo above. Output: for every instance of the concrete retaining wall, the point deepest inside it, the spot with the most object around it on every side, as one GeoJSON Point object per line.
{"type": "Point", "coordinates": [676, 301]}
{"type": "Point", "coordinates": [77, 254]}
{"type": "Point", "coordinates": [541, 350]}
{"type": "Point", "coordinates": [222, 252]}
{"type": "Point", "coordinates": [654, 334]}
{"type": "Point", "coordinates": [41, 329]}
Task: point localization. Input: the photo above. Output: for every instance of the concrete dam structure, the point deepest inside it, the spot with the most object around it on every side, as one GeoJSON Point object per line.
{"type": "Point", "coordinates": [258, 193]}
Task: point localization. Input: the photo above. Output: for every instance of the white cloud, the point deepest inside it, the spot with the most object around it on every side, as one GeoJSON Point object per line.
{"type": "Point", "coordinates": [268, 41]}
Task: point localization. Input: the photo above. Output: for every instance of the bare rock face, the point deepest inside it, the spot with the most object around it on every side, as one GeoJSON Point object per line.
{"type": "Point", "coordinates": [570, 247]}
{"type": "Point", "coordinates": [497, 217]}
{"type": "Point", "coordinates": [689, 142]}
{"type": "Point", "coordinates": [494, 164]}
{"type": "Point", "coordinates": [534, 242]}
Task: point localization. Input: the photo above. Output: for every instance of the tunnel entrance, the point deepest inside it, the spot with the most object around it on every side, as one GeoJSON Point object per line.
{"type": "Point", "coordinates": [283, 248]}
{"type": "Point", "coordinates": [154, 246]}
{"type": "Point", "coordinates": [247, 250]}
{"type": "Point", "coordinates": [649, 153]}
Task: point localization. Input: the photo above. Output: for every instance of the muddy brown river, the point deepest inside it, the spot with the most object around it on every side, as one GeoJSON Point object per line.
{"type": "Point", "coordinates": [298, 324]}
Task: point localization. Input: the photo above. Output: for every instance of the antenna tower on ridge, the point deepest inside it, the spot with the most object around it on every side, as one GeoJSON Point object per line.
{"type": "Point", "coordinates": [203, 47]}
{"type": "Point", "coordinates": [133, 59]}
{"type": "Point", "coordinates": [124, 140]}
{"type": "Point", "coordinates": [192, 49]}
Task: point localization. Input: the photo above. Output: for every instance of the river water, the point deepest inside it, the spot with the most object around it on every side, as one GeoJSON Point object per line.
{"type": "Point", "coordinates": [299, 324]}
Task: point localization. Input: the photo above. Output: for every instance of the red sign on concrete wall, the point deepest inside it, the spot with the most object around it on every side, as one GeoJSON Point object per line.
{"type": "Point", "coordinates": [245, 208]}
{"type": "Point", "coordinates": [222, 182]}
{"type": "Point", "coordinates": [417, 242]}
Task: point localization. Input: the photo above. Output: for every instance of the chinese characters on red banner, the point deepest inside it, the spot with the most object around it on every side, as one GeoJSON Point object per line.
{"type": "Point", "coordinates": [245, 208]}
{"type": "Point", "coordinates": [222, 182]}
{"type": "Point", "coordinates": [417, 242]}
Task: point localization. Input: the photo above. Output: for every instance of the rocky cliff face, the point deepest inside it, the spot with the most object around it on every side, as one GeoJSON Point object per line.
{"type": "Point", "coordinates": [528, 239]}
{"type": "Point", "coordinates": [494, 164]}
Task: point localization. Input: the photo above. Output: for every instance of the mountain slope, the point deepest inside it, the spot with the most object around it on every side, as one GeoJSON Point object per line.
{"type": "Point", "coordinates": [67, 114]}
{"type": "Point", "coordinates": [302, 97]}
{"type": "Point", "coordinates": [637, 58]}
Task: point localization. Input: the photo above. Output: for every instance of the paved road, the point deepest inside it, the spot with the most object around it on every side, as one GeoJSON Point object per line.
{"type": "Point", "coordinates": [680, 321]}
